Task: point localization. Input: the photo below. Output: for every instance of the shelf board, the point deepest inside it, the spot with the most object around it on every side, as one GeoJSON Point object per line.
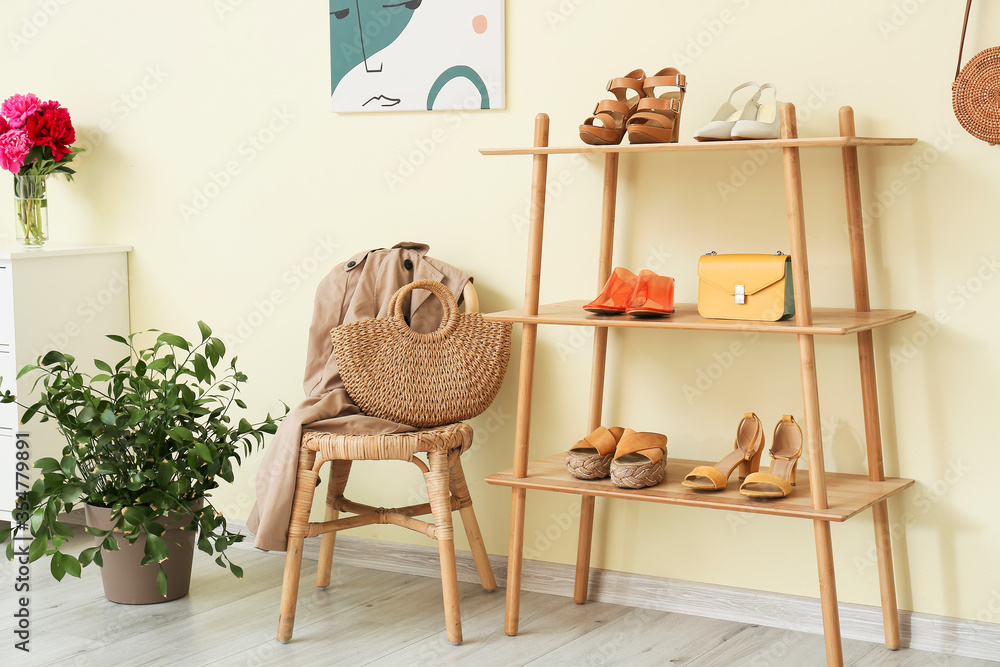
{"type": "Point", "coordinates": [801, 142]}
{"type": "Point", "coordinates": [826, 321]}
{"type": "Point", "coordinates": [847, 494]}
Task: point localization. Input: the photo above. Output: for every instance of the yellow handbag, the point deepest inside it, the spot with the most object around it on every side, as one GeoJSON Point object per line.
{"type": "Point", "coordinates": [745, 287]}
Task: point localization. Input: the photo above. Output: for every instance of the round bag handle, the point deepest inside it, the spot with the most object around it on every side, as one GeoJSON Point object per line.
{"type": "Point", "coordinates": [450, 319]}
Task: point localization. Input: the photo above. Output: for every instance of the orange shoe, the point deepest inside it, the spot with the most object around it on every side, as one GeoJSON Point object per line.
{"type": "Point", "coordinates": [653, 296]}
{"type": "Point", "coordinates": [615, 296]}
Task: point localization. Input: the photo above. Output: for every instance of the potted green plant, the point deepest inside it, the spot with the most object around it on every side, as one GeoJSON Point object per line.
{"type": "Point", "coordinates": [147, 439]}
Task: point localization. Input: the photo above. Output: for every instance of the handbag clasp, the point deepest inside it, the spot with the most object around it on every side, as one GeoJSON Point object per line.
{"type": "Point", "coordinates": [740, 295]}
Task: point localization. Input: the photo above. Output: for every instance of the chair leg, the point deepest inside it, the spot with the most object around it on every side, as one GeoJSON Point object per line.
{"type": "Point", "coordinates": [290, 588]}
{"type": "Point", "coordinates": [305, 486]}
{"type": "Point", "coordinates": [339, 470]}
{"type": "Point", "coordinates": [460, 489]}
{"type": "Point", "coordinates": [437, 479]}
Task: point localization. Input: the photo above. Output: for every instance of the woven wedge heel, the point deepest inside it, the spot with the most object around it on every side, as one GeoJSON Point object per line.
{"type": "Point", "coordinates": [590, 458]}
{"type": "Point", "coordinates": [640, 460]}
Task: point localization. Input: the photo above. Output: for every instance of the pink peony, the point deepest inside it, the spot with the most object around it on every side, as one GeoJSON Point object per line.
{"type": "Point", "coordinates": [17, 108]}
{"type": "Point", "coordinates": [4, 125]}
{"type": "Point", "coordinates": [14, 147]}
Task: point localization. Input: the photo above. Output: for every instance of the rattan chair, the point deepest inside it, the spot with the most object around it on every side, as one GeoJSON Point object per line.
{"type": "Point", "coordinates": [446, 490]}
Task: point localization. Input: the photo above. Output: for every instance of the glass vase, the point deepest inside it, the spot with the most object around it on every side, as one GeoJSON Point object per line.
{"type": "Point", "coordinates": [32, 210]}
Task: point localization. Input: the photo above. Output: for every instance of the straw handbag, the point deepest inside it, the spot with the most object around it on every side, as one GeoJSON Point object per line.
{"type": "Point", "coordinates": [423, 379]}
{"type": "Point", "coordinates": [976, 91]}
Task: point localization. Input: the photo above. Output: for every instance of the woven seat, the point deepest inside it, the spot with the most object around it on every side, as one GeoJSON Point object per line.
{"type": "Point", "coordinates": [447, 491]}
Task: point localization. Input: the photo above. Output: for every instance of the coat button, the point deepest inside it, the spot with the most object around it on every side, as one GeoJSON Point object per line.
{"type": "Point", "coordinates": [408, 265]}
{"type": "Point", "coordinates": [351, 264]}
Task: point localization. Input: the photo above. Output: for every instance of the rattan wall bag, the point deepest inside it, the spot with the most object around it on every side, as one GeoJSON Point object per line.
{"type": "Point", "coordinates": [423, 379]}
{"type": "Point", "coordinates": [976, 91]}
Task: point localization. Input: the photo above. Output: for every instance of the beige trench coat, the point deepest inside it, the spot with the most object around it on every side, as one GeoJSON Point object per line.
{"type": "Point", "coordinates": [355, 290]}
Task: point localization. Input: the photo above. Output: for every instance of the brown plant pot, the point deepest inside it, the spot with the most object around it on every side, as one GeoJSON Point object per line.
{"type": "Point", "coordinates": [126, 581]}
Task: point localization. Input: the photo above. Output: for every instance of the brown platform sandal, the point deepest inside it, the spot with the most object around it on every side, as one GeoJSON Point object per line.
{"type": "Point", "coordinates": [591, 457]}
{"type": "Point", "coordinates": [614, 114]}
{"type": "Point", "coordinates": [786, 448]}
{"type": "Point", "coordinates": [640, 460]}
{"type": "Point", "coordinates": [746, 453]}
{"type": "Point", "coordinates": [658, 118]}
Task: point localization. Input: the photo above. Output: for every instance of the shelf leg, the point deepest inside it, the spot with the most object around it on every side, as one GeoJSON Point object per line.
{"type": "Point", "coordinates": [828, 594]}
{"type": "Point", "coordinates": [515, 551]}
{"type": "Point", "coordinates": [587, 503]}
{"type": "Point", "coordinates": [810, 386]}
{"type": "Point", "coordinates": [869, 390]}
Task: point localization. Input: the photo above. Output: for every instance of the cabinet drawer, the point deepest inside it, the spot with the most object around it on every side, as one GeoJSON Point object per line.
{"type": "Point", "coordinates": [6, 305]}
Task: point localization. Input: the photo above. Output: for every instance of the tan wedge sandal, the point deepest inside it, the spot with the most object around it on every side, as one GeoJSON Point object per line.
{"type": "Point", "coordinates": [640, 460]}
{"type": "Point", "coordinates": [746, 453]}
{"type": "Point", "coordinates": [657, 120]}
{"type": "Point", "coordinates": [786, 448]}
{"type": "Point", "coordinates": [607, 125]}
{"type": "Point", "coordinates": [590, 458]}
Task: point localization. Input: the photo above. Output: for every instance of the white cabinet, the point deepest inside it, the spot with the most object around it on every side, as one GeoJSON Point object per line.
{"type": "Point", "coordinates": [59, 297]}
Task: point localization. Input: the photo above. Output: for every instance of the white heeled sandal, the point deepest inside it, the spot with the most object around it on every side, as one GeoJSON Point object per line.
{"type": "Point", "coordinates": [721, 126]}
{"type": "Point", "coordinates": [766, 125]}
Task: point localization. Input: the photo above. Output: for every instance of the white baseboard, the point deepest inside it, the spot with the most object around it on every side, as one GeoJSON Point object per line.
{"type": "Point", "coordinates": [924, 632]}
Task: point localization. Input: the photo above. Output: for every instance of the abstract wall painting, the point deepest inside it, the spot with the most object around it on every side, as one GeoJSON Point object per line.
{"type": "Point", "coordinates": [415, 55]}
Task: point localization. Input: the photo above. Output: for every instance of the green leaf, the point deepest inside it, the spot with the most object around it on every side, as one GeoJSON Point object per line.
{"type": "Point", "coordinates": [56, 566]}
{"type": "Point", "coordinates": [56, 357]}
{"type": "Point", "coordinates": [88, 414]}
{"type": "Point", "coordinates": [206, 330]}
{"type": "Point", "coordinates": [108, 417]}
{"type": "Point", "coordinates": [117, 338]}
{"type": "Point", "coordinates": [181, 434]}
{"type": "Point", "coordinates": [68, 465]}
{"type": "Point", "coordinates": [156, 548]}
{"type": "Point", "coordinates": [37, 548]}
{"type": "Point", "coordinates": [237, 570]}
{"type": "Point", "coordinates": [4, 534]}
{"type": "Point", "coordinates": [100, 377]}
{"type": "Point", "coordinates": [87, 556]}
{"type": "Point", "coordinates": [161, 582]}
{"type": "Point", "coordinates": [175, 340]}
{"type": "Point", "coordinates": [203, 451]}
{"type": "Point", "coordinates": [103, 366]}
{"type": "Point", "coordinates": [70, 565]}
{"type": "Point", "coordinates": [47, 464]}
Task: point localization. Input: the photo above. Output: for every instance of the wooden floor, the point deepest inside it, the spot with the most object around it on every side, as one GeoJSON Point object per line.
{"type": "Point", "coordinates": [371, 617]}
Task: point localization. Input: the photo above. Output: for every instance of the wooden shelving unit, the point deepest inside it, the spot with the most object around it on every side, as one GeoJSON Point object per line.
{"type": "Point", "coordinates": [823, 497]}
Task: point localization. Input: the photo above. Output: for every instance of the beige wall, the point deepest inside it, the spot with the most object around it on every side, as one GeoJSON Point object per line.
{"type": "Point", "coordinates": [171, 96]}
